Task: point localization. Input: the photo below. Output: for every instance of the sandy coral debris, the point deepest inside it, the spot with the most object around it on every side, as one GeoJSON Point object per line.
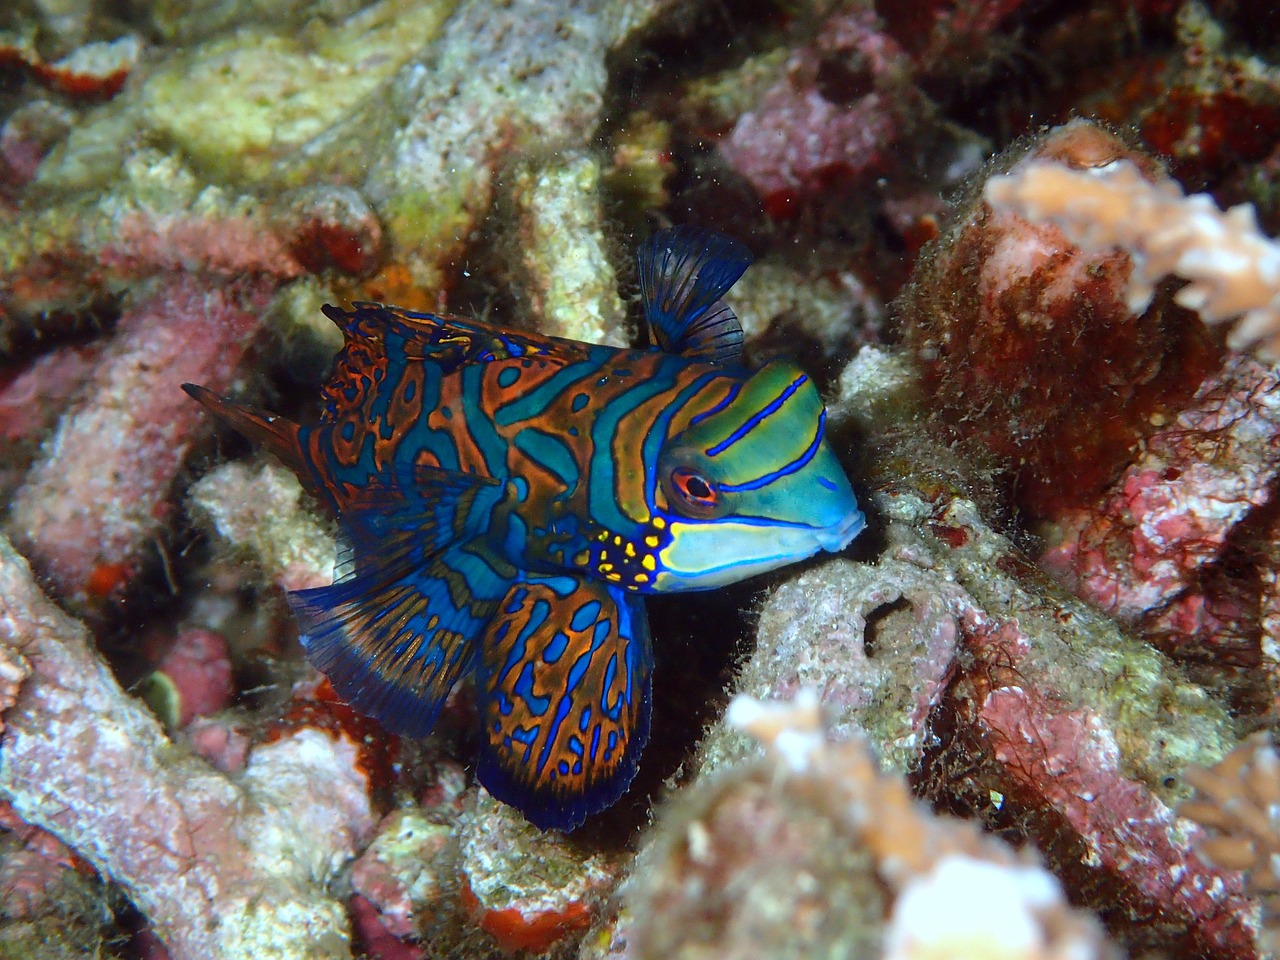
{"type": "Point", "coordinates": [260, 512]}
{"type": "Point", "coordinates": [526, 76]}
{"type": "Point", "coordinates": [1232, 268]}
{"type": "Point", "coordinates": [400, 873]}
{"type": "Point", "coordinates": [527, 889]}
{"type": "Point", "coordinates": [567, 279]}
{"type": "Point", "coordinates": [223, 869]}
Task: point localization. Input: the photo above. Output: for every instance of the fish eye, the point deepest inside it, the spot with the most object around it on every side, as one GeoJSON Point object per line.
{"type": "Point", "coordinates": [692, 493]}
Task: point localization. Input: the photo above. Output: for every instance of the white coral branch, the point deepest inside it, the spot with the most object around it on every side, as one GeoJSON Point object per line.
{"type": "Point", "coordinates": [1233, 268]}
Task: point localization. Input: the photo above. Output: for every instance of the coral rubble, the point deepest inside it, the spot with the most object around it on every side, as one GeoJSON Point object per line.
{"type": "Point", "coordinates": [1049, 357]}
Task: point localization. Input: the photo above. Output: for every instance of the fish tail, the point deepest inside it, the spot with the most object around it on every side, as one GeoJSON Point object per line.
{"type": "Point", "coordinates": [277, 434]}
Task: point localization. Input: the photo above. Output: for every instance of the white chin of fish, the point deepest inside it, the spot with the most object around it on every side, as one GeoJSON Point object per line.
{"type": "Point", "coordinates": [789, 544]}
{"type": "Point", "coordinates": [839, 536]}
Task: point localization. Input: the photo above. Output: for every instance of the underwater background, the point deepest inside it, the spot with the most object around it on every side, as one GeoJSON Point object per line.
{"type": "Point", "coordinates": [1022, 247]}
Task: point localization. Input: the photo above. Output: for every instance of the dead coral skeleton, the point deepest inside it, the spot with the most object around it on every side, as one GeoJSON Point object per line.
{"type": "Point", "coordinates": [223, 868]}
{"type": "Point", "coordinates": [1233, 268]}
{"type": "Point", "coordinates": [953, 891]}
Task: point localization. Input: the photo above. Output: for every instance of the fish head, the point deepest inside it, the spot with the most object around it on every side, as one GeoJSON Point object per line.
{"type": "Point", "coordinates": [752, 484]}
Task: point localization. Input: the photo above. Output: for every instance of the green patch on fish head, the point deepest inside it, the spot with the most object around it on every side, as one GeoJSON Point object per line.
{"type": "Point", "coordinates": [752, 485]}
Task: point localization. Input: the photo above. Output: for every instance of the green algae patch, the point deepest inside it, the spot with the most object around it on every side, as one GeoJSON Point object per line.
{"type": "Point", "coordinates": [237, 104]}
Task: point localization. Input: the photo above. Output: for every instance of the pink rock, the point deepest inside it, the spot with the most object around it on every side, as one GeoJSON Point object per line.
{"type": "Point", "coordinates": [398, 874]}
{"type": "Point", "coordinates": [376, 940]}
{"type": "Point", "coordinates": [1071, 761]}
{"type": "Point", "coordinates": [221, 742]}
{"type": "Point", "coordinates": [198, 665]}
{"type": "Point", "coordinates": [1172, 511]}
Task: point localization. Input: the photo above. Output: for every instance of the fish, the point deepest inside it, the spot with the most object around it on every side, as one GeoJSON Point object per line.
{"type": "Point", "coordinates": [508, 499]}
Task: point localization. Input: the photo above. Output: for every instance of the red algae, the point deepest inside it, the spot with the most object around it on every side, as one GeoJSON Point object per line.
{"type": "Point", "coordinates": [1030, 349]}
{"type": "Point", "coordinates": [514, 931]}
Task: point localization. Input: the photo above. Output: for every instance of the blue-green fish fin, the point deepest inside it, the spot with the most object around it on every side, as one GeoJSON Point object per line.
{"type": "Point", "coordinates": [393, 638]}
{"type": "Point", "coordinates": [564, 687]}
{"type": "Point", "coordinates": [683, 273]}
{"type": "Point", "coordinates": [399, 626]}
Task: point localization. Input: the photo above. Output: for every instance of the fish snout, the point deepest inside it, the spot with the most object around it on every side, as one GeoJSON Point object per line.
{"type": "Point", "coordinates": [840, 534]}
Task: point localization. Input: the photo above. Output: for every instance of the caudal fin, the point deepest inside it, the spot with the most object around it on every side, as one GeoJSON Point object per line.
{"type": "Point", "coordinates": [277, 434]}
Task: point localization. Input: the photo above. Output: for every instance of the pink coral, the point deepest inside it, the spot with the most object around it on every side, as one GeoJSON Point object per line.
{"type": "Point", "coordinates": [222, 868]}
{"type": "Point", "coordinates": [798, 137]}
{"type": "Point", "coordinates": [90, 507]}
{"type": "Point", "coordinates": [1173, 510]}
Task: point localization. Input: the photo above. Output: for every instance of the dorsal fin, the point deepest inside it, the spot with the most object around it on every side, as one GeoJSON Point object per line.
{"type": "Point", "coordinates": [379, 336]}
{"type": "Point", "coordinates": [683, 273]}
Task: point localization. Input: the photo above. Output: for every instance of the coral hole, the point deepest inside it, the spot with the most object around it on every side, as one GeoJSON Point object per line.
{"type": "Point", "coordinates": [896, 618]}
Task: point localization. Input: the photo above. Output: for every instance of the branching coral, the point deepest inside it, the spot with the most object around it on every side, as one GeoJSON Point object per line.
{"type": "Point", "coordinates": [1233, 269]}
{"type": "Point", "coordinates": [223, 868]}
{"type": "Point", "coordinates": [91, 506]}
{"type": "Point", "coordinates": [1238, 802]}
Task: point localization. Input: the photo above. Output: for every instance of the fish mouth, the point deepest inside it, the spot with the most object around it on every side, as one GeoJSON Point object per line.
{"type": "Point", "coordinates": [838, 536]}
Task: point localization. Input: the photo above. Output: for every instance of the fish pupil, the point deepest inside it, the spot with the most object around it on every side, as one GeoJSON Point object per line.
{"type": "Point", "coordinates": [697, 495]}
{"type": "Point", "coordinates": [697, 488]}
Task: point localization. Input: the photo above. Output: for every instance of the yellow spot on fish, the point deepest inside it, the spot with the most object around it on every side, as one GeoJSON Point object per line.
{"type": "Point", "coordinates": [606, 567]}
{"type": "Point", "coordinates": [615, 577]}
{"type": "Point", "coordinates": [642, 578]}
{"type": "Point", "coordinates": [651, 541]}
{"type": "Point", "coordinates": [660, 523]}
{"type": "Point", "coordinates": [618, 539]}
{"type": "Point", "coordinates": [631, 550]}
{"type": "Point", "coordinates": [647, 562]}
{"type": "Point", "coordinates": [582, 558]}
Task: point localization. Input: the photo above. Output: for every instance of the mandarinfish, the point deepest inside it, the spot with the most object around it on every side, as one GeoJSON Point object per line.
{"type": "Point", "coordinates": [508, 499]}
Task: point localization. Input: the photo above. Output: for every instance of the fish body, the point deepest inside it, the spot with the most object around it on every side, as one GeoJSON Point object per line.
{"type": "Point", "coordinates": [508, 498]}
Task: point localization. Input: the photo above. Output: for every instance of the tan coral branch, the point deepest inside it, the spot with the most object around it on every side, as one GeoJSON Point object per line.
{"type": "Point", "coordinates": [1238, 802]}
{"type": "Point", "coordinates": [1232, 268]}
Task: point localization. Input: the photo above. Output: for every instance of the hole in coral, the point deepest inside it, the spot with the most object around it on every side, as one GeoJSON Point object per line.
{"type": "Point", "coordinates": [843, 83]}
{"type": "Point", "coordinates": [885, 622]}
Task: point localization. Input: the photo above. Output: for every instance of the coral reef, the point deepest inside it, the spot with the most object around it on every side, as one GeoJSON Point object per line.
{"type": "Point", "coordinates": [82, 757]}
{"type": "Point", "coordinates": [1048, 357]}
{"type": "Point", "coordinates": [813, 851]}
